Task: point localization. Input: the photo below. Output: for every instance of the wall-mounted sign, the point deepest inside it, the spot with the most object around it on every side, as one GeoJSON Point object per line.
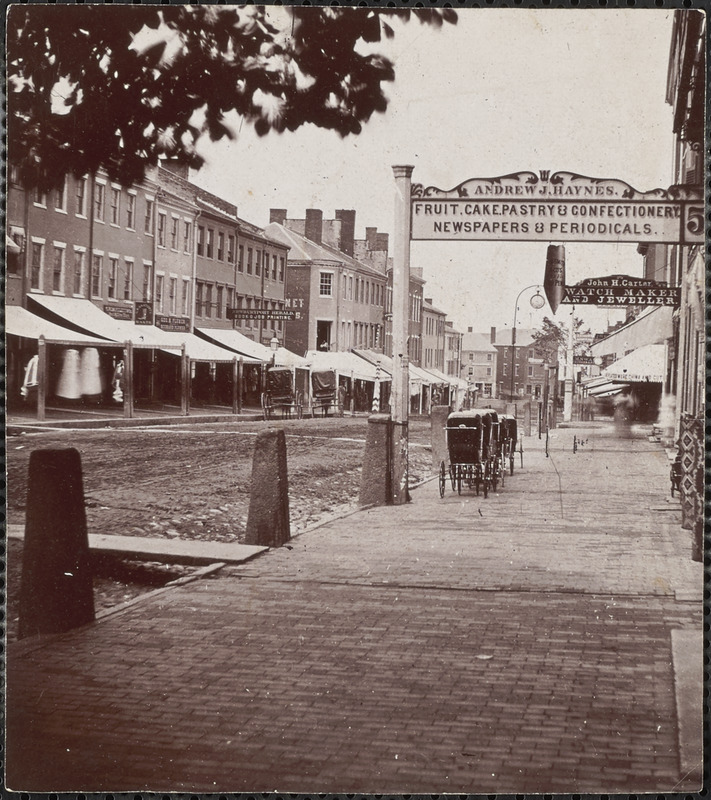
{"type": "Point", "coordinates": [118, 312]}
{"type": "Point", "coordinates": [143, 313]}
{"type": "Point", "coordinates": [586, 360]}
{"type": "Point", "coordinates": [563, 206]}
{"type": "Point", "coordinates": [174, 324]}
{"type": "Point", "coordinates": [621, 290]}
{"type": "Point", "coordinates": [263, 314]}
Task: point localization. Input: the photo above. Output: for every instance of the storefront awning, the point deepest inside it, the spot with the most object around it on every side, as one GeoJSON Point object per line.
{"type": "Point", "coordinates": [84, 317]}
{"type": "Point", "coordinates": [241, 345]}
{"type": "Point", "coordinates": [606, 389]}
{"type": "Point", "coordinates": [21, 322]}
{"type": "Point", "coordinates": [344, 363]}
{"type": "Point", "coordinates": [643, 365]}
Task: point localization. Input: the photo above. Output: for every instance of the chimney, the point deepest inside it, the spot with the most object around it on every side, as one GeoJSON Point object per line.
{"type": "Point", "coordinates": [314, 221]}
{"type": "Point", "coordinates": [277, 215]}
{"type": "Point", "coordinates": [470, 330]}
{"type": "Point", "coordinates": [177, 166]}
{"type": "Point", "coordinates": [370, 238]}
{"type": "Point", "coordinates": [428, 300]}
{"type": "Point", "coordinates": [493, 335]}
{"type": "Point", "coordinates": [347, 218]}
{"type": "Point", "coordinates": [382, 241]}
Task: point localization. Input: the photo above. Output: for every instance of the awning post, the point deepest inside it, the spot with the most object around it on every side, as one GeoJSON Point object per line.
{"type": "Point", "coordinates": [185, 382]}
{"type": "Point", "coordinates": [41, 377]}
{"type": "Point", "coordinates": [128, 380]}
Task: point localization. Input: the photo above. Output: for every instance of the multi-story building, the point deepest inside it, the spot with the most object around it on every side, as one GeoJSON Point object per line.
{"type": "Point", "coordinates": [416, 292]}
{"type": "Point", "coordinates": [161, 253]}
{"type": "Point", "coordinates": [433, 336]}
{"type": "Point", "coordinates": [339, 299]}
{"type": "Point", "coordinates": [479, 362]}
{"type": "Point", "coordinates": [452, 350]}
{"type": "Point", "coordinates": [521, 371]}
{"type": "Point", "coordinates": [686, 375]}
{"type": "Point", "coordinates": [236, 265]}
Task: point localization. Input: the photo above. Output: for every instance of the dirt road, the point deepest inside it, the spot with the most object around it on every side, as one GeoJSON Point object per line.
{"type": "Point", "coordinates": [194, 481]}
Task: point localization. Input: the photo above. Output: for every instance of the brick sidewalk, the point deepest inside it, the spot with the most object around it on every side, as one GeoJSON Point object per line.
{"type": "Point", "coordinates": [516, 644]}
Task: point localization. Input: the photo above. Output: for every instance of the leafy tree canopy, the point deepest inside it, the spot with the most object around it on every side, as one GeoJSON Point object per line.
{"type": "Point", "coordinates": [119, 86]}
{"type": "Point", "coordinates": [552, 337]}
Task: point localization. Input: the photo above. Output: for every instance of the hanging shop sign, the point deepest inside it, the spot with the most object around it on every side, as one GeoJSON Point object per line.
{"type": "Point", "coordinates": [263, 314]}
{"type": "Point", "coordinates": [118, 312]}
{"type": "Point", "coordinates": [562, 206]}
{"type": "Point", "coordinates": [587, 360]}
{"type": "Point", "coordinates": [621, 290]}
{"type": "Point", "coordinates": [143, 313]}
{"type": "Point", "coordinates": [173, 324]}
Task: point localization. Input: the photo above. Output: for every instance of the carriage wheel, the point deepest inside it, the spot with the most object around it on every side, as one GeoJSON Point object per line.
{"type": "Point", "coordinates": [477, 478]}
{"type": "Point", "coordinates": [492, 475]}
{"type": "Point", "coordinates": [485, 483]}
{"type": "Point", "coordinates": [453, 476]}
{"type": "Point", "coordinates": [442, 478]}
{"type": "Point", "coordinates": [500, 466]}
{"type": "Point", "coordinates": [459, 480]}
{"type": "Point", "coordinates": [511, 461]}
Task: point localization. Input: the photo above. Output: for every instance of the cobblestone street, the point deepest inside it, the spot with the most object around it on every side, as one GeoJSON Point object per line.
{"type": "Point", "coordinates": [529, 642]}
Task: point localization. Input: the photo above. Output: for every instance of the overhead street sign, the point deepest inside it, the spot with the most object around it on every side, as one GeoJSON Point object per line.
{"type": "Point", "coordinates": [560, 207]}
{"type": "Point", "coordinates": [263, 314]}
{"type": "Point", "coordinates": [621, 290]}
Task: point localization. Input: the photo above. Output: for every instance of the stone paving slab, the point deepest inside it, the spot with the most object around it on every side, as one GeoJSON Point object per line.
{"type": "Point", "coordinates": [419, 649]}
{"type": "Point", "coordinates": [169, 551]}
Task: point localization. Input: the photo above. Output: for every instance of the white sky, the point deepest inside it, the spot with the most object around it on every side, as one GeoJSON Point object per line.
{"type": "Point", "coordinates": [503, 91]}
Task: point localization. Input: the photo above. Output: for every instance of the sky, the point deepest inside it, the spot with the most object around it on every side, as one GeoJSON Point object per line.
{"type": "Point", "coordinates": [505, 90]}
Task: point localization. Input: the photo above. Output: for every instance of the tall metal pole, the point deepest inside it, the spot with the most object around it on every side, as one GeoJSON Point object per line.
{"type": "Point", "coordinates": [569, 367]}
{"type": "Point", "coordinates": [400, 321]}
{"type": "Point", "coordinates": [513, 335]}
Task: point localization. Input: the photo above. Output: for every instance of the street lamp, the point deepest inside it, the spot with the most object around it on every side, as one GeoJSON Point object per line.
{"type": "Point", "coordinates": [537, 301]}
{"type": "Point", "coordinates": [274, 344]}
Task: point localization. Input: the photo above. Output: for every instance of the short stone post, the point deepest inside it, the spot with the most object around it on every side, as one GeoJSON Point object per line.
{"type": "Point", "coordinates": [438, 439]}
{"type": "Point", "coordinates": [56, 592]}
{"type": "Point", "coordinates": [268, 520]}
{"type": "Point", "coordinates": [527, 418]}
{"type": "Point", "coordinates": [375, 483]}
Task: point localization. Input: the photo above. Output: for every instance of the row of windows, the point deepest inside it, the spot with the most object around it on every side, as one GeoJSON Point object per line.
{"type": "Point", "coordinates": [170, 230]}
{"type": "Point", "coordinates": [223, 248]}
{"type": "Point", "coordinates": [361, 334]}
{"type": "Point", "coordinates": [73, 273]}
{"type": "Point", "coordinates": [434, 326]}
{"type": "Point", "coordinates": [212, 301]}
{"type": "Point", "coordinates": [365, 292]}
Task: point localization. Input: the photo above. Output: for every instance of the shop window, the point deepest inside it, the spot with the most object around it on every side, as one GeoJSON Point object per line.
{"type": "Point", "coordinates": [78, 274]}
{"type": "Point", "coordinates": [97, 261]}
{"type": "Point", "coordinates": [326, 284]}
{"type": "Point", "coordinates": [113, 272]}
{"type": "Point", "coordinates": [99, 201]}
{"type": "Point", "coordinates": [128, 281]}
{"type": "Point", "coordinates": [57, 269]}
{"type": "Point", "coordinates": [115, 205]}
{"type": "Point", "coordinates": [80, 197]}
{"type": "Point", "coordinates": [37, 259]}
{"type": "Point", "coordinates": [131, 211]}
{"type": "Point", "coordinates": [148, 219]}
{"type": "Point", "coordinates": [161, 228]}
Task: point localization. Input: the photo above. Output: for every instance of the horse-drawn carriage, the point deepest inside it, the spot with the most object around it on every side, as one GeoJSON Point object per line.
{"type": "Point", "coordinates": [280, 394]}
{"type": "Point", "coordinates": [509, 435]}
{"type": "Point", "coordinates": [475, 450]}
{"type": "Point", "coordinates": [326, 395]}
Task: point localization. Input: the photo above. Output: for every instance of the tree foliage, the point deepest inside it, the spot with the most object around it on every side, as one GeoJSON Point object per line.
{"type": "Point", "coordinates": [552, 338]}
{"type": "Point", "coordinates": [117, 87]}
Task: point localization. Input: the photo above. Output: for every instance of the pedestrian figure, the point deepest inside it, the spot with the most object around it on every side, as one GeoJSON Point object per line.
{"type": "Point", "coordinates": [624, 413]}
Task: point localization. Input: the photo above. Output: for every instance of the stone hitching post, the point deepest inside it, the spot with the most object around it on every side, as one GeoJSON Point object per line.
{"type": "Point", "coordinates": [268, 520]}
{"type": "Point", "coordinates": [56, 592]}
